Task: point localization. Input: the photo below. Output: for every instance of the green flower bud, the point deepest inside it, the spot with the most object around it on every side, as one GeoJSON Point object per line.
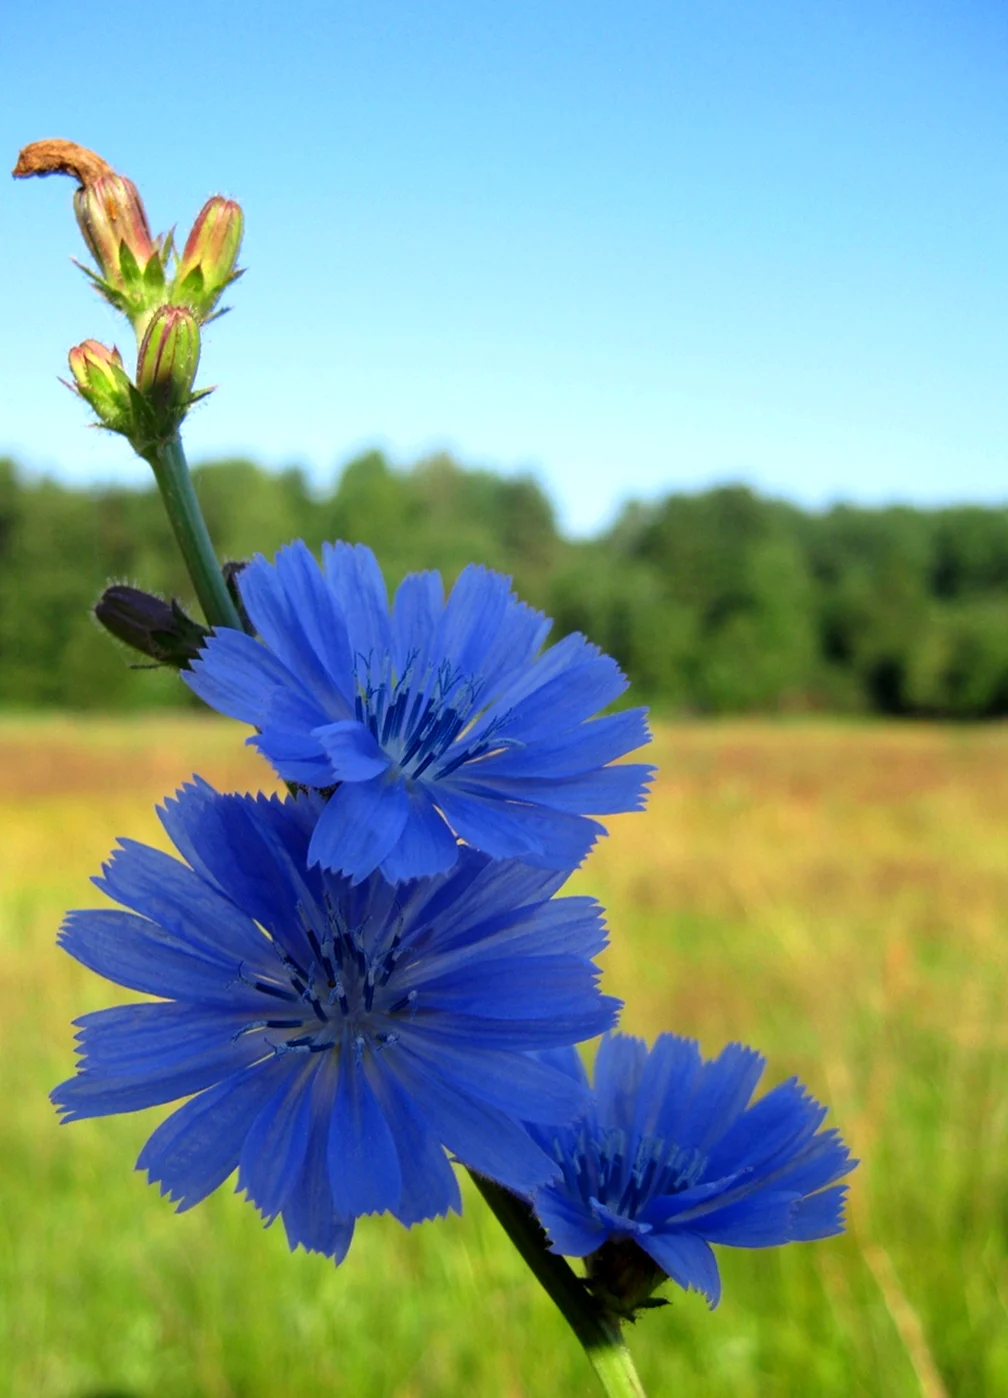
{"type": "Point", "coordinates": [208, 259]}
{"type": "Point", "coordinates": [111, 217]}
{"type": "Point", "coordinates": [167, 361]}
{"type": "Point", "coordinates": [102, 382]}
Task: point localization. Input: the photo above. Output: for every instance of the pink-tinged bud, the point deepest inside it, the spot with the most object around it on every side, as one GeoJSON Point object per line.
{"type": "Point", "coordinates": [168, 357]}
{"type": "Point", "coordinates": [92, 357]}
{"type": "Point", "coordinates": [210, 254]}
{"type": "Point", "coordinates": [101, 381]}
{"type": "Point", "coordinates": [112, 219]}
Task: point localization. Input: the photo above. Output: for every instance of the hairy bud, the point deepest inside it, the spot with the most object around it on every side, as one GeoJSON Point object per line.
{"type": "Point", "coordinates": [156, 628]}
{"type": "Point", "coordinates": [168, 358]}
{"type": "Point", "coordinates": [210, 254]}
{"type": "Point", "coordinates": [112, 219]}
{"type": "Point", "coordinates": [101, 380]}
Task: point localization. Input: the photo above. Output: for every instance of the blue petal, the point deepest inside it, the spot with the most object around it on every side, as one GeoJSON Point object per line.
{"type": "Point", "coordinates": [606, 791]}
{"type": "Point", "coordinates": [275, 1147]}
{"type": "Point", "coordinates": [419, 602]}
{"type": "Point", "coordinates": [820, 1162]}
{"type": "Point", "coordinates": [522, 1086]}
{"type": "Point", "coordinates": [237, 676]}
{"type": "Point", "coordinates": [516, 643]}
{"type": "Point", "coordinates": [482, 1137]}
{"type": "Point", "coordinates": [576, 1022]}
{"type": "Point", "coordinates": [668, 1081]}
{"type": "Point", "coordinates": [567, 685]}
{"type": "Point", "coordinates": [309, 1216]}
{"type": "Point", "coordinates": [197, 1147]}
{"type": "Point", "coordinates": [364, 1170]}
{"type": "Point", "coordinates": [820, 1215]}
{"type": "Point", "coordinates": [426, 845]}
{"type": "Point", "coordinates": [353, 754]}
{"type": "Point", "coordinates": [360, 825]}
{"type": "Point", "coordinates": [101, 1092]}
{"type": "Point", "coordinates": [294, 756]}
{"type": "Point", "coordinates": [319, 616]}
{"type": "Point", "coordinates": [487, 824]}
{"type": "Point", "coordinates": [276, 601]}
{"type": "Point", "coordinates": [567, 653]}
{"type": "Point", "coordinates": [721, 1092]}
{"type": "Point", "coordinates": [133, 1039]}
{"type": "Point", "coordinates": [192, 908]}
{"type": "Point", "coordinates": [481, 896]}
{"type": "Point", "coordinates": [770, 1132]}
{"type": "Point", "coordinates": [136, 953]}
{"type": "Point", "coordinates": [763, 1219]}
{"type": "Point", "coordinates": [565, 1060]}
{"type": "Point", "coordinates": [471, 618]}
{"type": "Point", "coordinates": [571, 926]}
{"type": "Point", "coordinates": [619, 1067]}
{"type": "Point", "coordinates": [566, 840]}
{"type": "Point", "coordinates": [687, 1208]}
{"type": "Point", "coordinates": [429, 1186]}
{"type": "Point", "coordinates": [356, 582]}
{"type": "Point", "coordinates": [688, 1260]}
{"type": "Point", "coordinates": [573, 1230]}
{"type": "Point", "coordinates": [522, 988]}
{"type": "Point", "coordinates": [589, 746]}
{"type": "Point", "coordinates": [242, 850]}
{"type": "Point", "coordinates": [509, 830]}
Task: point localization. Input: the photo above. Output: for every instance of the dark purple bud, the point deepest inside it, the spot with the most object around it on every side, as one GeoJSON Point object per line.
{"type": "Point", "coordinates": [158, 629]}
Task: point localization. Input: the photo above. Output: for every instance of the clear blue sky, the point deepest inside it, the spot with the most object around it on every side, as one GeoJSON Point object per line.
{"type": "Point", "coordinates": [632, 247]}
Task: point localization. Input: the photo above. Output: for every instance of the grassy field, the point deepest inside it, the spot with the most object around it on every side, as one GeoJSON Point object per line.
{"type": "Point", "coordinates": [837, 896]}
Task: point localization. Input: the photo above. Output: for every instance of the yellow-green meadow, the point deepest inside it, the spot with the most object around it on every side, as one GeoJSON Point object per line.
{"type": "Point", "coordinates": [836, 895]}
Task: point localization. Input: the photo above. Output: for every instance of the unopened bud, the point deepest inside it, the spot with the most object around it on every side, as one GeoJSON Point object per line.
{"type": "Point", "coordinates": [208, 259]}
{"type": "Point", "coordinates": [158, 629]}
{"type": "Point", "coordinates": [112, 219]}
{"type": "Point", "coordinates": [101, 380]}
{"type": "Point", "coordinates": [168, 358]}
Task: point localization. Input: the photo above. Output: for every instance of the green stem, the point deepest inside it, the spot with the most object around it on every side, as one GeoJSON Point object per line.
{"type": "Point", "coordinates": [167, 459]}
{"type": "Point", "coordinates": [598, 1332]}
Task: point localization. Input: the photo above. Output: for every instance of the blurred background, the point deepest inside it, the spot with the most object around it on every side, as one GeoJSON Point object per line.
{"type": "Point", "coordinates": [693, 319]}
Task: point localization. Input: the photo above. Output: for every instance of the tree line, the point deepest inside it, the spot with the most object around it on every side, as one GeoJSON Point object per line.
{"type": "Point", "coordinates": [713, 603]}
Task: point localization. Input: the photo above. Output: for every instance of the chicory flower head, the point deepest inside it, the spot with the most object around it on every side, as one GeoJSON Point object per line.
{"type": "Point", "coordinates": [434, 721]}
{"type": "Point", "coordinates": [671, 1157]}
{"type": "Point", "coordinates": [337, 1038]}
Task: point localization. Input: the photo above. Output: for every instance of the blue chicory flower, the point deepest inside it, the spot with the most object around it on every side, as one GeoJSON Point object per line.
{"type": "Point", "coordinates": [334, 1039]}
{"type": "Point", "coordinates": [434, 721]}
{"type": "Point", "coordinates": [671, 1156]}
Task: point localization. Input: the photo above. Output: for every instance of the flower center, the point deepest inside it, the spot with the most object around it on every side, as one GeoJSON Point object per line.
{"type": "Point", "coordinates": [600, 1168]}
{"type": "Point", "coordinates": [416, 718]}
{"type": "Point", "coordinates": [345, 994]}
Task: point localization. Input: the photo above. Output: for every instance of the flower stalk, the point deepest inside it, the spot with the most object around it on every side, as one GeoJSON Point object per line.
{"type": "Point", "coordinates": [597, 1330]}
{"type": "Point", "coordinates": [167, 460]}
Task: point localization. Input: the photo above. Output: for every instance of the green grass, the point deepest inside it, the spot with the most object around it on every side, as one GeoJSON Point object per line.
{"type": "Point", "coordinates": [836, 895]}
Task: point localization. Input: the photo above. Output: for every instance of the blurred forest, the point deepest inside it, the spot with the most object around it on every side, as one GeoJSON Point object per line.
{"type": "Point", "coordinates": [721, 602]}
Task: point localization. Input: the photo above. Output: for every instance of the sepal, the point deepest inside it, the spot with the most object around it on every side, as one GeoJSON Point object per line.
{"type": "Point", "coordinates": [622, 1278]}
